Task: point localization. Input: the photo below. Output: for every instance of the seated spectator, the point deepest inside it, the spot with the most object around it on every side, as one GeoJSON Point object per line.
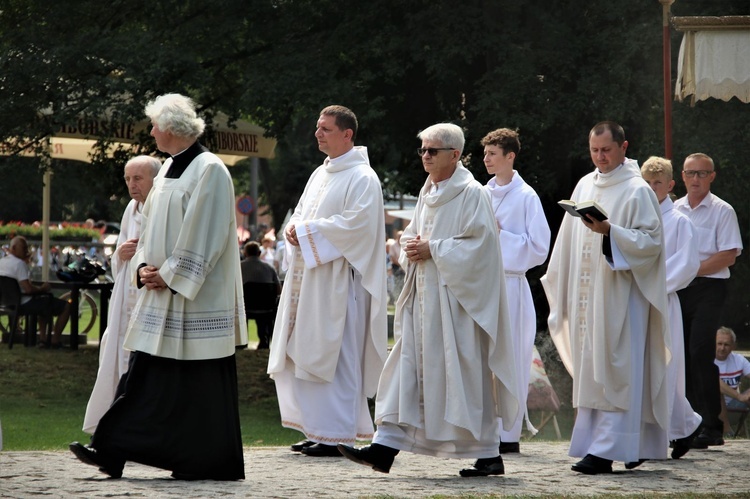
{"type": "Point", "coordinates": [255, 270]}
{"type": "Point", "coordinates": [732, 368]}
{"type": "Point", "coordinates": [15, 265]}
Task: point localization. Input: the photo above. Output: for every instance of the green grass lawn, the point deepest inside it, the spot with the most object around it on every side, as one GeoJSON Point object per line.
{"type": "Point", "coordinates": [43, 397]}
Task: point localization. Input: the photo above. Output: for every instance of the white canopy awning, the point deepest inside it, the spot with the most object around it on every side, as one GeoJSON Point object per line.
{"type": "Point", "coordinates": [714, 59]}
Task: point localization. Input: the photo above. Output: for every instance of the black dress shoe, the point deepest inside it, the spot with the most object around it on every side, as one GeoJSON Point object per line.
{"type": "Point", "coordinates": [634, 464]}
{"type": "Point", "coordinates": [321, 450]}
{"type": "Point", "coordinates": [592, 465]}
{"type": "Point", "coordinates": [90, 456]}
{"type": "Point", "coordinates": [707, 437]}
{"type": "Point", "coordinates": [485, 467]}
{"type": "Point", "coordinates": [301, 445]}
{"type": "Point", "coordinates": [378, 457]}
{"type": "Point", "coordinates": [681, 446]}
{"type": "Point", "coordinates": [509, 447]}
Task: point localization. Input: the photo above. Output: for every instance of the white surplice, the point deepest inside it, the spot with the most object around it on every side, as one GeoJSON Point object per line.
{"type": "Point", "coordinates": [609, 320]}
{"type": "Point", "coordinates": [113, 358]}
{"type": "Point", "coordinates": [452, 372]}
{"type": "Point", "coordinates": [682, 263]}
{"type": "Point", "coordinates": [330, 336]}
{"type": "Point", "coordinates": [189, 232]}
{"type": "Point", "coordinates": [524, 241]}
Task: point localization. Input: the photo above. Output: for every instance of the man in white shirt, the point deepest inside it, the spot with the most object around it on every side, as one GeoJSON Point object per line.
{"type": "Point", "coordinates": [733, 367]}
{"type": "Point", "coordinates": [719, 244]}
{"type": "Point", "coordinates": [35, 299]}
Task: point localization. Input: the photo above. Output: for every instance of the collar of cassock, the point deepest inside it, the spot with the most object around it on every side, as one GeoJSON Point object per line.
{"type": "Point", "coordinates": [182, 160]}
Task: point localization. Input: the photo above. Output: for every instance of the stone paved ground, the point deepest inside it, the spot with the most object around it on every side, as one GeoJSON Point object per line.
{"type": "Point", "coordinates": [542, 468]}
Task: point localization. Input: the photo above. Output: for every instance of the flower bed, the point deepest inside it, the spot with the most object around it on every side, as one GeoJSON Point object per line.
{"type": "Point", "coordinates": [63, 232]}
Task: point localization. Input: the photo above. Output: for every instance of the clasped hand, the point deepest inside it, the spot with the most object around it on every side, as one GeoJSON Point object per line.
{"type": "Point", "coordinates": [417, 249]}
{"type": "Point", "coordinates": [150, 278]}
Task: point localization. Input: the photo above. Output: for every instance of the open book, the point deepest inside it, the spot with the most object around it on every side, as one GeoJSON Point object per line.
{"type": "Point", "coordinates": [590, 208]}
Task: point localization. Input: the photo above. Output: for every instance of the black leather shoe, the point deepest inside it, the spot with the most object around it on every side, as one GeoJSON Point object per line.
{"type": "Point", "coordinates": [378, 457]}
{"type": "Point", "coordinates": [707, 437]}
{"type": "Point", "coordinates": [321, 450]}
{"type": "Point", "coordinates": [509, 447]}
{"type": "Point", "coordinates": [301, 445]}
{"type": "Point", "coordinates": [90, 456]}
{"type": "Point", "coordinates": [681, 446]}
{"type": "Point", "coordinates": [485, 467]}
{"type": "Point", "coordinates": [592, 465]}
{"type": "Point", "coordinates": [634, 464]}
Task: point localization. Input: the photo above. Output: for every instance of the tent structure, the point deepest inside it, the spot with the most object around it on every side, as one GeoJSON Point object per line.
{"type": "Point", "coordinates": [233, 143]}
{"type": "Point", "coordinates": [714, 58]}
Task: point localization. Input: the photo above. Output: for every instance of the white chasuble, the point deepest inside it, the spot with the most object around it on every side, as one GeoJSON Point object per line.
{"type": "Point", "coordinates": [451, 372]}
{"type": "Point", "coordinates": [608, 318]}
{"type": "Point", "coordinates": [330, 336]}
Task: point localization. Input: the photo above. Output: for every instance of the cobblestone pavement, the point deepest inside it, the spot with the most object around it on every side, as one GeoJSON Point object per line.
{"type": "Point", "coordinates": [542, 468]}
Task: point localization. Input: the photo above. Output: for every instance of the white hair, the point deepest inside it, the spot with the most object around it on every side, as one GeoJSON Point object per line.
{"type": "Point", "coordinates": [175, 113]}
{"type": "Point", "coordinates": [448, 134]}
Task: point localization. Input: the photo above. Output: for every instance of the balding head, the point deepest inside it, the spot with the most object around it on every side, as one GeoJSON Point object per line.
{"type": "Point", "coordinates": [139, 176]}
{"type": "Point", "coordinates": [19, 248]}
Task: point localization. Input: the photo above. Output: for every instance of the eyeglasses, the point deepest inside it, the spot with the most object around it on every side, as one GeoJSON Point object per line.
{"type": "Point", "coordinates": [432, 151]}
{"type": "Point", "coordinates": [699, 173]}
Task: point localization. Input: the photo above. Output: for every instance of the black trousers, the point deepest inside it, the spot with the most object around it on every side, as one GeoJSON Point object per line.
{"type": "Point", "coordinates": [702, 303]}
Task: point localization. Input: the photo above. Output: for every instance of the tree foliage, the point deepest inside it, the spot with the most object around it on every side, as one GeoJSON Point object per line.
{"type": "Point", "coordinates": [549, 69]}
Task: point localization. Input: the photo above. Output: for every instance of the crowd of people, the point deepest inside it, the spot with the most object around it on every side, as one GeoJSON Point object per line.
{"type": "Point", "coordinates": [635, 302]}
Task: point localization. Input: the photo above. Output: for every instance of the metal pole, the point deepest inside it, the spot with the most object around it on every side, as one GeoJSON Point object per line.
{"type": "Point", "coordinates": [667, 64]}
{"type": "Point", "coordinates": [47, 179]}
{"type": "Point", "coordinates": [254, 165]}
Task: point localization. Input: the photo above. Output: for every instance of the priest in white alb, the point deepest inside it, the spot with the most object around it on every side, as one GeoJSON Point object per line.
{"type": "Point", "coordinates": [606, 287]}
{"type": "Point", "coordinates": [113, 358]}
{"type": "Point", "coordinates": [331, 332]}
{"type": "Point", "coordinates": [451, 373]}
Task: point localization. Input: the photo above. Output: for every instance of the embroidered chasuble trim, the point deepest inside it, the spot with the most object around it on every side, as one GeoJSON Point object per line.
{"type": "Point", "coordinates": [313, 248]}
{"type": "Point", "coordinates": [312, 436]}
{"type": "Point", "coordinates": [297, 269]}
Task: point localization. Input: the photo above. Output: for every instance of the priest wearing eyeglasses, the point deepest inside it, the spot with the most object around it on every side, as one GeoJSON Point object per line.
{"type": "Point", "coordinates": [719, 245]}
{"type": "Point", "coordinates": [451, 373]}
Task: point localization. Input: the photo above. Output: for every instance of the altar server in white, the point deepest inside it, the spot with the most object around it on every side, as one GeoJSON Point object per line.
{"type": "Point", "coordinates": [113, 358]}
{"type": "Point", "coordinates": [451, 373]}
{"type": "Point", "coordinates": [331, 332]}
{"type": "Point", "coordinates": [177, 406]}
{"type": "Point", "coordinates": [606, 287]}
{"type": "Point", "coordinates": [524, 242]}
{"type": "Point", "coordinates": [682, 262]}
